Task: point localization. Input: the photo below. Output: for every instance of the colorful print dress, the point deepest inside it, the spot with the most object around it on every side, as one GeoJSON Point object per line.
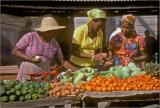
{"type": "Point", "coordinates": [124, 48]}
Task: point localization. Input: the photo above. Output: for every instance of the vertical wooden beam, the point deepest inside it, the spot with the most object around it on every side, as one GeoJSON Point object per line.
{"type": "Point", "coordinates": [103, 104]}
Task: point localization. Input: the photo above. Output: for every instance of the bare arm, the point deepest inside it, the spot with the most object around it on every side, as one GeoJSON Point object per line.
{"type": "Point", "coordinates": [76, 51]}
{"type": "Point", "coordinates": [19, 53]}
{"type": "Point", "coordinates": [142, 57]}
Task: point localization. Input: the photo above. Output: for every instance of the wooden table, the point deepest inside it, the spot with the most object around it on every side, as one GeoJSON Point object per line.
{"type": "Point", "coordinates": [65, 101]}
{"type": "Point", "coordinates": [103, 99]}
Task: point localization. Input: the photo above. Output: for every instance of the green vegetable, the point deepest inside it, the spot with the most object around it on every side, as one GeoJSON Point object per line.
{"type": "Point", "coordinates": [21, 98]}
{"type": "Point", "coordinates": [89, 74]}
{"type": "Point", "coordinates": [90, 77]}
{"type": "Point", "coordinates": [12, 90]}
{"type": "Point", "coordinates": [24, 90]}
{"type": "Point", "coordinates": [8, 92]}
{"type": "Point", "coordinates": [18, 86]}
{"type": "Point", "coordinates": [1, 82]}
{"type": "Point", "coordinates": [79, 78]}
{"type": "Point", "coordinates": [3, 99]}
{"type": "Point", "coordinates": [18, 93]}
{"type": "Point", "coordinates": [118, 72]}
{"type": "Point", "coordinates": [28, 97]}
{"type": "Point", "coordinates": [41, 91]}
{"type": "Point", "coordinates": [9, 84]}
{"type": "Point", "coordinates": [2, 90]}
{"type": "Point", "coordinates": [35, 96]}
{"type": "Point", "coordinates": [125, 72]}
{"type": "Point", "coordinates": [31, 90]}
{"type": "Point", "coordinates": [12, 98]}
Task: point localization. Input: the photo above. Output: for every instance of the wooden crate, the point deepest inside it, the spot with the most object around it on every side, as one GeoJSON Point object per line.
{"type": "Point", "coordinates": [66, 102]}
{"type": "Point", "coordinates": [8, 72]}
{"type": "Point", "coordinates": [120, 98]}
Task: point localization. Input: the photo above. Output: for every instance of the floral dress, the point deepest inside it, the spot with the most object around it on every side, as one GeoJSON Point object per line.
{"type": "Point", "coordinates": [124, 48]}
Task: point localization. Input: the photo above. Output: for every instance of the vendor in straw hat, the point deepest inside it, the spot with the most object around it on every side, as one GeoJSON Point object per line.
{"type": "Point", "coordinates": [37, 49]}
{"type": "Point", "coordinates": [127, 46]}
{"type": "Point", "coordinates": [87, 40]}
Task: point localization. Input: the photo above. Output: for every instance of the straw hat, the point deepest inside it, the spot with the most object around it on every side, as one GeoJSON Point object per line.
{"type": "Point", "coordinates": [48, 23]}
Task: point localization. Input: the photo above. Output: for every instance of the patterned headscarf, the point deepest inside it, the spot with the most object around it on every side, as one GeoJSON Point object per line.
{"type": "Point", "coordinates": [96, 13]}
{"type": "Point", "coordinates": [129, 18]}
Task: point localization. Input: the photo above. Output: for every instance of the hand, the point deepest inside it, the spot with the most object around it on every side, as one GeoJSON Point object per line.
{"type": "Point", "coordinates": [98, 57]}
{"type": "Point", "coordinates": [129, 59]}
{"type": "Point", "coordinates": [108, 63]}
{"type": "Point", "coordinates": [67, 65]}
{"type": "Point", "coordinates": [34, 60]}
{"type": "Point", "coordinates": [104, 55]}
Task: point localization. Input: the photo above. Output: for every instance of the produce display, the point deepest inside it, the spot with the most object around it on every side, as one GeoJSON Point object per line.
{"type": "Point", "coordinates": [152, 69]}
{"type": "Point", "coordinates": [67, 89]}
{"type": "Point", "coordinates": [82, 75]}
{"type": "Point", "coordinates": [113, 83]}
{"type": "Point", "coordinates": [70, 83]}
{"type": "Point", "coordinates": [123, 72]}
{"type": "Point", "coordinates": [13, 91]}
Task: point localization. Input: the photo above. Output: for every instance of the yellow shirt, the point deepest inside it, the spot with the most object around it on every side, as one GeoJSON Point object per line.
{"type": "Point", "coordinates": [87, 45]}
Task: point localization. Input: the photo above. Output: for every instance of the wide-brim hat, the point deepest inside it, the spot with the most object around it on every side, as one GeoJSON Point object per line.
{"type": "Point", "coordinates": [48, 23]}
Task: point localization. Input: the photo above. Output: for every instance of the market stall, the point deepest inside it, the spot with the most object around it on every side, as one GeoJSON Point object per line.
{"type": "Point", "coordinates": [115, 86]}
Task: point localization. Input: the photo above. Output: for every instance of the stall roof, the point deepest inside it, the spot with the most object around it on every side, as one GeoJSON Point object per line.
{"type": "Point", "coordinates": [113, 7]}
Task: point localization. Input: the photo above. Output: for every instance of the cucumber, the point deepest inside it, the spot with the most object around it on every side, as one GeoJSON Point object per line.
{"type": "Point", "coordinates": [18, 93]}
{"type": "Point", "coordinates": [12, 98]}
{"type": "Point", "coordinates": [21, 98]}
{"type": "Point", "coordinates": [3, 99]}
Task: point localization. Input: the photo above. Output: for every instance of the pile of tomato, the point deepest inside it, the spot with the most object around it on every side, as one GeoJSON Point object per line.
{"type": "Point", "coordinates": [113, 83]}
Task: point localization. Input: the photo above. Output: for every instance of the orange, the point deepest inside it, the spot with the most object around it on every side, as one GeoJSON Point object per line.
{"type": "Point", "coordinates": [88, 88]}
{"type": "Point", "coordinates": [98, 89]}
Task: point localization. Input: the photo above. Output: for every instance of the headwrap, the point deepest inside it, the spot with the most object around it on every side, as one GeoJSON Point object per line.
{"type": "Point", "coordinates": [129, 18]}
{"type": "Point", "coordinates": [96, 13]}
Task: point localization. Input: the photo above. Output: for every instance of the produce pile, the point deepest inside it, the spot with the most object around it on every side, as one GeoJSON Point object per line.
{"type": "Point", "coordinates": [67, 89]}
{"type": "Point", "coordinates": [13, 91]}
{"type": "Point", "coordinates": [82, 75]}
{"type": "Point", "coordinates": [113, 83]}
{"type": "Point", "coordinates": [123, 72]}
{"type": "Point", "coordinates": [87, 73]}
{"type": "Point", "coordinates": [152, 69]}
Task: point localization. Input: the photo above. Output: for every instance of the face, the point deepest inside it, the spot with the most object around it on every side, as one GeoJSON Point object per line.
{"type": "Point", "coordinates": [98, 23]}
{"type": "Point", "coordinates": [50, 33]}
{"type": "Point", "coordinates": [146, 33]}
{"type": "Point", "coordinates": [126, 28]}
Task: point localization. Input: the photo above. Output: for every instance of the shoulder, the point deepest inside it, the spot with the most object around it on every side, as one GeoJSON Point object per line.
{"type": "Point", "coordinates": [31, 34]}
{"type": "Point", "coordinates": [117, 37]}
{"type": "Point", "coordinates": [81, 27]}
